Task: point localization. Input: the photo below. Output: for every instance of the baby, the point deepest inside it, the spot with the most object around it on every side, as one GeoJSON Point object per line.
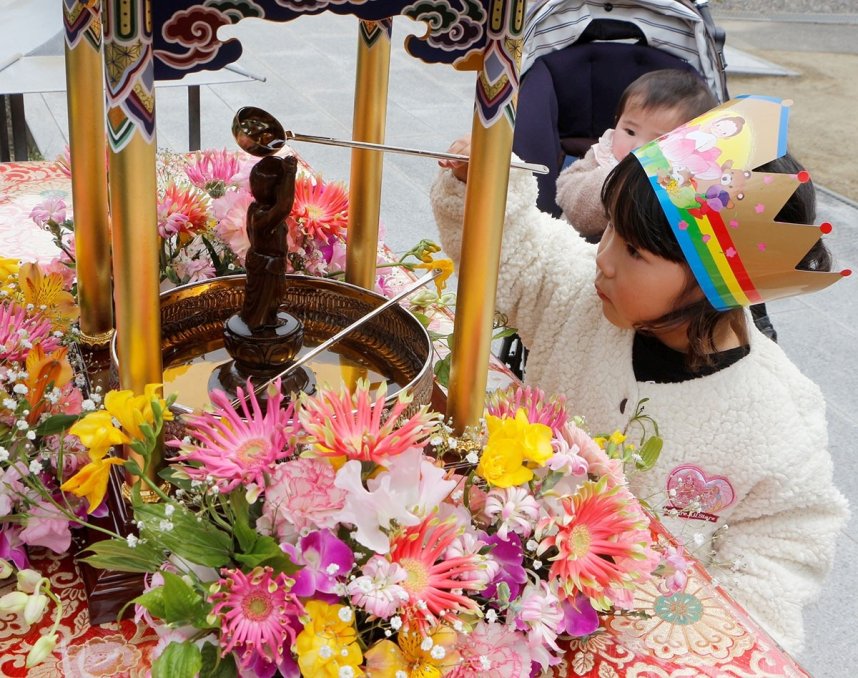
{"type": "Point", "coordinates": [652, 105]}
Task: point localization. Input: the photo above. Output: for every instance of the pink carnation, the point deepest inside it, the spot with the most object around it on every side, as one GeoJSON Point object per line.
{"type": "Point", "coordinates": [492, 650]}
{"type": "Point", "coordinates": [301, 496]}
{"type": "Point", "coordinates": [598, 462]}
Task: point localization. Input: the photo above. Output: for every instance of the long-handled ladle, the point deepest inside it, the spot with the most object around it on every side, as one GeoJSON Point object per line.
{"type": "Point", "coordinates": [178, 408]}
{"type": "Point", "coordinates": [260, 133]}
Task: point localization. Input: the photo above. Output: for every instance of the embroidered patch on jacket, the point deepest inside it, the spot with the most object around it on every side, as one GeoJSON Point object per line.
{"type": "Point", "coordinates": [694, 494]}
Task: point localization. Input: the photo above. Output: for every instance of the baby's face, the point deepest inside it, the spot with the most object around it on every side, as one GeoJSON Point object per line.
{"type": "Point", "coordinates": [637, 126]}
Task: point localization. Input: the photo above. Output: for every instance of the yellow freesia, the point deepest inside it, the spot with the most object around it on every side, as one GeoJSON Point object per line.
{"type": "Point", "coordinates": [8, 268]}
{"type": "Point", "coordinates": [98, 434]}
{"type": "Point", "coordinates": [535, 439]}
{"type": "Point", "coordinates": [446, 265]}
{"type": "Point", "coordinates": [327, 643]}
{"type": "Point", "coordinates": [502, 464]}
{"type": "Point", "coordinates": [386, 659]}
{"type": "Point", "coordinates": [133, 410]}
{"type": "Point", "coordinates": [91, 481]}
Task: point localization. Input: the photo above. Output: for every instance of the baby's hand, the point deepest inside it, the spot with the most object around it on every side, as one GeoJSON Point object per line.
{"type": "Point", "coordinates": [459, 168]}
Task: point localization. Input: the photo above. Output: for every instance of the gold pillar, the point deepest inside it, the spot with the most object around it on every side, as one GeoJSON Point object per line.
{"type": "Point", "coordinates": [370, 116]}
{"type": "Point", "coordinates": [88, 150]}
{"type": "Point", "coordinates": [129, 76]}
{"type": "Point", "coordinates": [485, 203]}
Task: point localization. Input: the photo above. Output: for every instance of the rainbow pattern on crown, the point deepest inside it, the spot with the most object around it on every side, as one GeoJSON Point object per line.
{"type": "Point", "coordinates": [722, 212]}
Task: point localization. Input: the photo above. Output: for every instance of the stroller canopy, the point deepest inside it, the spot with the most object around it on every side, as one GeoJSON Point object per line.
{"type": "Point", "coordinates": [673, 26]}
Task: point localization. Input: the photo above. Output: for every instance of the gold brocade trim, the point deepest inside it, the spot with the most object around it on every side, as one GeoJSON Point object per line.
{"type": "Point", "coordinates": [147, 494]}
{"type": "Point", "coordinates": [100, 340]}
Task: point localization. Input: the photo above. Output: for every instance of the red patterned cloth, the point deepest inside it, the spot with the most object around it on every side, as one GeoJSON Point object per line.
{"type": "Point", "coordinates": [119, 650]}
{"type": "Point", "coordinates": [698, 632]}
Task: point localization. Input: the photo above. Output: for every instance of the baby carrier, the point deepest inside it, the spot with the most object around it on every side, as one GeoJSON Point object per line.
{"type": "Point", "coordinates": [579, 56]}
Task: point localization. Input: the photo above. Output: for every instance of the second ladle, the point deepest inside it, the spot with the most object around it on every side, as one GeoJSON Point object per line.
{"type": "Point", "coordinates": [260, 133]}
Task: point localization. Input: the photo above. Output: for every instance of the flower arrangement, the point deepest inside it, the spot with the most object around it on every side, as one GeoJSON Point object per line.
{"type": "Point", "coordinates": [334, 538]}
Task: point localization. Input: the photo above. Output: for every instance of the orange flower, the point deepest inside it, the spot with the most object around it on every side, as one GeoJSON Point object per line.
{"type": "Point", "coordinates": [46, 290]}
{"type": "Point", "coordinates": [43, 371]}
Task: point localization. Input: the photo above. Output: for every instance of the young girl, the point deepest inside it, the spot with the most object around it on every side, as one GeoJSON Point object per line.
{"type": "Point", "coordinates": [652, 105]}
{"type": "Point", "coordinates": [745, 440]}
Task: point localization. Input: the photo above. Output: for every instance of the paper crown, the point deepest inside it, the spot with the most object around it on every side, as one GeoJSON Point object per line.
{"type": "Point", "coordinates": [723, 213]}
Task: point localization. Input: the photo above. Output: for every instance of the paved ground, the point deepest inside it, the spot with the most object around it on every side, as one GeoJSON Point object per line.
{"type": "Point", "coordinates": [309, 71]}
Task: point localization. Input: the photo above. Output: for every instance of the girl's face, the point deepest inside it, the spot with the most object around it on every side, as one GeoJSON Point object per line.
{"type": "Point", "coordinates": [638, 126]}
{"type": "Point", "coordinates": [636, 286]}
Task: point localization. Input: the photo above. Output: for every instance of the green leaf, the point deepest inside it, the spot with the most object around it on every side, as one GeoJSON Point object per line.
{"type": "Point", "coordinates": [242, 530]}
{"type": "Point", "coordinates": [176, 476]}
{"type": "Point", "coordinates": [422, 318]}
{"type": "Point", "coordinates": [182, 604]}
{"type": "Point", "coordinates": [56, 423]}
{"type": "Point", "coordinates": [199, 542]}
{"type": "Point", "coordinates": [505, 332]}
{"type": "Point", "coordinates": [153, 600]}
{"type": "Point", "coordinates": [266, 551]}
{"type": "Point", "coordinates": [214, 666]}
{"type": "Point", "coordinates": [179, 660]}
{"type": "Point", "coordinates": [650, 453]}
{"type": "Point", "coordinates": [442, 370]}
{"type": "Point", "coordinates": [115, 554]}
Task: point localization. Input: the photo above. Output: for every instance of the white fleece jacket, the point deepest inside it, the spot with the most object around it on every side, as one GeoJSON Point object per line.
{"type": "Point", "coordinates": [745, 447]}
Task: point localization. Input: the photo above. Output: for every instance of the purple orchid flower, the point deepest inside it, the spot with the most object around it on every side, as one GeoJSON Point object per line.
{"type": "Point", "coordinates": [579, 617]}
{"type": "Point", "coordinates": [323, 559]}
{"type": "Point", "coordinates": [509, 554]}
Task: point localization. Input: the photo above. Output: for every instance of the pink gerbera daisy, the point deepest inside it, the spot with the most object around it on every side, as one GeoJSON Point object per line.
{"type": "Point", "coordinates": [182, 210]}
{"type": "Point", "coordinates": [258, 612]}
{"type": "Point", "coordinates": [238, 447]}
{"type": "Point", "coordinates": [212, 171]}
{"type": "Point", "coordinates": [539, 409]}
{"type": "Point", "coordinates": [599, 538]}
{"type": "Point", "coordinates": [340, 424]}
{"type": "Point", "coordinates": [20, 332]}
{"type": "Point", "coordinates": [434, 582]}
{"type": "Point", "coordinates": [320, 209]}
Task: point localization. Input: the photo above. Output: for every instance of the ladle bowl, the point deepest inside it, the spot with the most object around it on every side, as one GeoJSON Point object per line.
{"type": "Point", "coordinates": [257, 132]}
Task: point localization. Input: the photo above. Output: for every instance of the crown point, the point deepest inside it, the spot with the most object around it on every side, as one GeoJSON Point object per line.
{"type": "Point", "coordinates": [803, 176]}
{"type": "Point", "coordinates": [846, 272]}
{"type": "Point", "coordinates": [825, 227]}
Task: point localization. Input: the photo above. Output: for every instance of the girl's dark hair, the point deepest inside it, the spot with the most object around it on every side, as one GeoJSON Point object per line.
{"type": "Point", "coordinates": [635, 212]}
{"type": "Point", "coordinates": [683, 90]}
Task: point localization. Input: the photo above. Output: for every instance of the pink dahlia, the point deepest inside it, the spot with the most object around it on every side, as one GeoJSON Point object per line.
{"type": "Point", "coordinates": [212, 171]}
{"type": "Point", "coordinates": [434, 583]}
{"type": "Point", "coordinates": [301, 496]}
{"type": "Point", "coordinates": [20, 332]}
{"type": "Point", "coordinates": [238, 447]}
{"type": "Point", "coordinates": [182, 210]}
{"type": "Point", "coordinates": [321, 210]}
{"type": "Point", "coordinates": [258, 612]}
{"type": "Point", "coordinates": [599, 539]}
{"type": "Point", "coordinates": [538, 409]}
{"type": "Point", "coordinates": [341, 424]}
{"type": "Point", "coordinates": [230, 211]}
{"type": "Point", "coordinates": [494, 650]}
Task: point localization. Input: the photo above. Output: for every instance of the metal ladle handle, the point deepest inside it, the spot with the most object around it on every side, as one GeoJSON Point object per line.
{"type": "Point", "coordinates": [330, 141]}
